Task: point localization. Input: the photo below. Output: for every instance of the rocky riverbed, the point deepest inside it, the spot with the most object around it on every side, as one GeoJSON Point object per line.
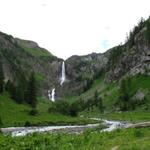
{"type": "Point", "coordinates": [22, 131]}
{"type": "Point", "coordinates": [109, 126]}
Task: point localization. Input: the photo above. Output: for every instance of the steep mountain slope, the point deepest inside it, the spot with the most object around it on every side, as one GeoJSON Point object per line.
{"type": "Point", "coordinates": [21, 57]}
{"type": "Point", "coordinates": [81, 71]}
{"type": "Point", "coordinates": [85, 75]}
{"type": "Point", "coordinates": [131, 58]}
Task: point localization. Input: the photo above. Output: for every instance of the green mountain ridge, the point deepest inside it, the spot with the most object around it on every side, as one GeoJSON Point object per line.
{"type": "Point", "coordinates": [131, 58]}
{"type": "Point", "coordinates": [117, 80]}
{"type": "Point", "coordinates": [33, 48]}
{"type": "Point", "coordinates": [21, 57]}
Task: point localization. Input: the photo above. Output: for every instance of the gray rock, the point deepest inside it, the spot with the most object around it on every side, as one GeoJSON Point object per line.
{"type": "Point", "coordinates": [140, 95]}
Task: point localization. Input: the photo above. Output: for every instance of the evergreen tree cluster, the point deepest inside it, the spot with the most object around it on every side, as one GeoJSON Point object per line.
{"type": "Point", "coordinates": [124, 94]}
{"type": "Point", "coordinates": [63, 107]}
{"type": "Point", "coordinates": [22, 91]}
{"type": "Point", "coordinates": [136, 29]}
{"type": "Point", "coordinates": [1, 77]}
{"type": "Point", "coordinates": [96, 101]}
{"type": "Point", "coordinates": [88, 85]}
{"type": "Point", "coordinates": [115, 55]}
{"type": "Point", "coordinates": [126, 100]}
{"type": "Point", "coordinates": [147, 33]}
{"type": "Point", "coordinates": [141, 24]}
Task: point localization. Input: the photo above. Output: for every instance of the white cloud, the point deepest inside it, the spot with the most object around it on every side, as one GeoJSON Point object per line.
{"type": "Point", "coordinates": [67, 27]}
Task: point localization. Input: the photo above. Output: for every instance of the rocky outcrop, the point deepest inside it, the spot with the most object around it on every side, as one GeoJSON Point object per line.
{"type": "Point", "coordinates": [133, 60]}
{"type": "Point", "coordinates": [139, 96]}
{"type": "Point", "coordinates": [81, 69]}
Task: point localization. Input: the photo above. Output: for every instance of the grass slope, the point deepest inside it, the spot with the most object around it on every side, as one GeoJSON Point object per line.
{"type": "Point", "coordinates": [110, 96]}
{"type": "Point", "coordinates": [13, 114]}
{"type": "Point", "coordinates": [38, 52]}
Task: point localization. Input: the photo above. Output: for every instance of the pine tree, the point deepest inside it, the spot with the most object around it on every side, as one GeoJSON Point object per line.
{"type": "Point", "coordinates": [148, 30]}
{"type": "Point", "coordinates": [1, 78]}
{"type": "Point", "coordinates": [100, 104]}
{"type": "Point", "coordinates": [96, 98]}
{"type": "Point", "coordinates": [11, 88]}
{"type": "Point", "coordinates": [1, 122]}
{"type": "Point", "coordinates": [31, 91]}
{"type": "Point", "coordinates": [124, 97]}
{"type": "Point", "coordinates": [73, 109]}
{"type": "Point", "coordinates": [20, 92]}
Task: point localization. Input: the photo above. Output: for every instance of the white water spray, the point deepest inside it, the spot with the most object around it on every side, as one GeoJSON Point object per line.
{"type": "Point", "coordinates": [49, 94]}
{"type": "Point", "coordinates": [53, 95]}
{"type": "Point", "coordinates": [63, 74]}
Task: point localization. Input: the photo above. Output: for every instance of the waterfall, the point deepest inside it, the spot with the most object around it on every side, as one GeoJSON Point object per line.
{"type": "Point", "coordinates": [53, 95]}
{"type": "Point", "coordinates": [63, 74]}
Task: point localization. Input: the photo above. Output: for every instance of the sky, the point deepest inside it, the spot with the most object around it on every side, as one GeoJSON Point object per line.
{"type": "Point", "coordinates": [72, 27]}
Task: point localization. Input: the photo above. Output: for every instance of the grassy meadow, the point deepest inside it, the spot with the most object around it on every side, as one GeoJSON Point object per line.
{"type": "Point", "coordinates": [13, 114]}
{"type": "Point", "coordinates": [120, 139]}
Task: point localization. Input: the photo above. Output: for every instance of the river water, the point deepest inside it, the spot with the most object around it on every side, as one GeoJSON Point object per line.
{"type": "Point", "coordinates": [22, 131]}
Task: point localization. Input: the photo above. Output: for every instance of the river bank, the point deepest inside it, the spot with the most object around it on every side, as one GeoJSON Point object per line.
{"type": "Point", "coordinates": [126, 138]}
{"type": "Point", "coordinates": [104, 126]}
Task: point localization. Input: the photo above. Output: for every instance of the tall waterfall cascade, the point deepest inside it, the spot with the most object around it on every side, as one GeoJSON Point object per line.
{"type": "Point", "coordinates": [63, 74]}
{"type": "Point", "coordinates": [51, 93]}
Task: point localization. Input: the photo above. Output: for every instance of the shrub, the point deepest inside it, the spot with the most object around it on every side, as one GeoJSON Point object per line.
{"type": "Point", "coordinates": [27, 124]}
{"type": "Point", "coordinates": [61, 107]}
{"type": "Point", "coordinates": [138, 133]}
{"type": "Point", "coordinates": [73, 110]}
{"type": "Point", "coordinates": [52, 109]}
{"type": "Point", "coordinates": [1, 123]}
{"type": "Point", "coordinates": [33, 112]}
{"type": "Point", "coordinates": [124, 93]}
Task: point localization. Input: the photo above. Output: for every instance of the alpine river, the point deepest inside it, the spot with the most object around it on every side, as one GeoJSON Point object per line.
{"type": "Point", "coordinates": [22, 131]}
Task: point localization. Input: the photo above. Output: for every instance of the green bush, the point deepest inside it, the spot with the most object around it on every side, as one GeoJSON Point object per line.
{"type": "Point", "coordinates": [1, 123]}
{"type": "Point", "coordinates": [138, 133]}
{"type": "Point", "coordinates": [73, 110]}
{"type": "Point", "coordinates": [27, 124]}
{"type": "Point", "coordinates": [33, 112]}
{"type": "Point", "coordinates": [61, 107]}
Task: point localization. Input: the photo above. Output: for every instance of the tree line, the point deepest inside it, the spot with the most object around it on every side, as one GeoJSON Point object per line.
{"type": "Point", "coordinates": [21, 91]}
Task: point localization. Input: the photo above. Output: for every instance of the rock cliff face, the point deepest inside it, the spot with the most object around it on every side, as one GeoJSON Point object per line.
{"type": "Point", "coordinates": [81, 70]}
{"type": "Point", "coordinates": [132, 60]}
{"type": "Point", "coordinates": [21, 57]}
